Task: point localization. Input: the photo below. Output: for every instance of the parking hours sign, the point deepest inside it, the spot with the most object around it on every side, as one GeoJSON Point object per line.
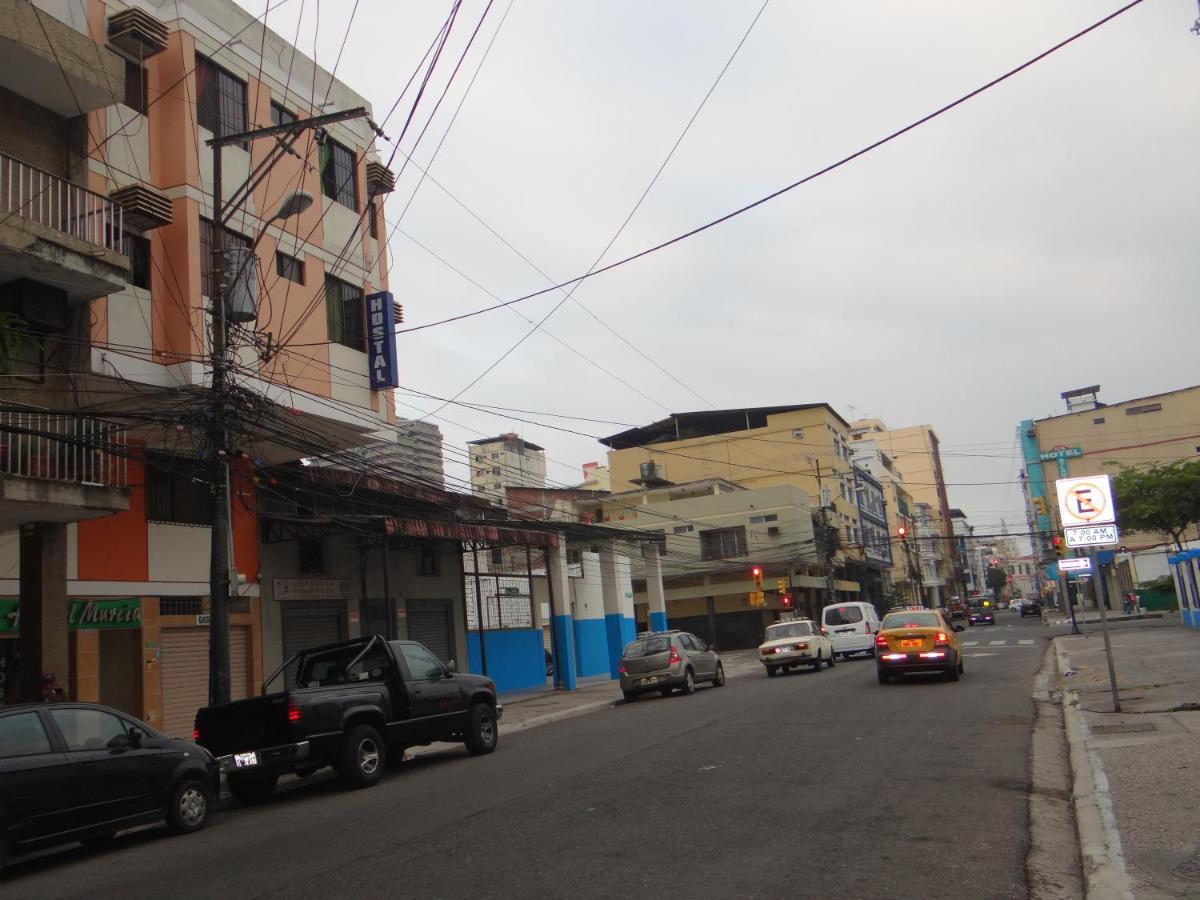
{"type": "Point", "coordinates": [1087, 511]}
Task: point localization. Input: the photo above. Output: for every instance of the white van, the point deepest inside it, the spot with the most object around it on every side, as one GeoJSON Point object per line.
{"type": "Point", "coordinates": [851, 626]}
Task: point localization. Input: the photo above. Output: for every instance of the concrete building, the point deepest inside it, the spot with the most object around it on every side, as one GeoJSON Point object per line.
{"type": "Point", "coordinates": [415, 454]}
{"type": "Point", "coordinates": [1093, 437]}
{"type": "Point", "coordinates": [106, 274]}
{"type": "Point", "coordinates": [505, 461]}
{"type": "Point", "coordinates": [595, 478]}
{"type": "Point", "coordinates": [931, 555]}
{"type": "Point", "coordinates": [899, 509]}
{"type": "Point", "coordinates": [874, 539]}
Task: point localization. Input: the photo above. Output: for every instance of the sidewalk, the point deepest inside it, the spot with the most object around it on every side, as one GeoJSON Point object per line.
{"type": "Point", "coordinates": [1136, 773]}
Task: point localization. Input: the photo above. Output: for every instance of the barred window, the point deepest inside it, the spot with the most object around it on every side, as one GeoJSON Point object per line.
{"type": "Point", "coordinates": [281, 116]}
{"type": "Point", "coordinates": [344, 313]}
{"type": "Point", "coordinates": [723, 543]}
{"type": "Point", "coordinates": [338, 181]}
{"type": "Point", "coordinates": [289, 267]}
{"type": "Point", "coordinates": [232, 239]}
{"type": "Point", "coordinates": [137, 248]}
{"type": "Point", "coordinates": [220, 99]}
{"type": "Point", "coordinates": [177, 490]}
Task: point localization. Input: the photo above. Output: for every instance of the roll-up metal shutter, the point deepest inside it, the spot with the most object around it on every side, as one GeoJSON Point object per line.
{"type": "Point", "coordinates": [185, 674]}
{"type": "Point", "coordinates": [309, 623]}
{"type": "Point", "coordinates": [430, 625]}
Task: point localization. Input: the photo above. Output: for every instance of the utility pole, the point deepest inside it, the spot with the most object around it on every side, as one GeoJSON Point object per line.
{"type": "Point", "coordinates": [220, 571]}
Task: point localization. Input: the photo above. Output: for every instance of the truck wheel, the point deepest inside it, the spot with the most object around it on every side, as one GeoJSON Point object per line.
{"type": "Point", "coordinates": [363, 757]}
{"type": "Point", "coordinates": [191, 802]}
{"type": "Point", "coordinates": [251, 788]}
{"type": "Point", "coordinates": [482, 732]}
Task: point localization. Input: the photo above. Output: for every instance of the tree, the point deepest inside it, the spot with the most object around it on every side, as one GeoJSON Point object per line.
{"type": "Point", "coordinates": [997, 579]}
{"type": "Point", "coordinates": [1163, 498]}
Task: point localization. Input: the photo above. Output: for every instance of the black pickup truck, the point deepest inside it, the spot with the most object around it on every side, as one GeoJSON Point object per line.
{"type": "Point", "coordinates": [354, 703]}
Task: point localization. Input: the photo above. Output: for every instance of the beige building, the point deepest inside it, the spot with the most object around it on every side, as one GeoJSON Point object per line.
{"type": "Point", "coordinates": [900, 514]}
{"type": "Point", "coordinates": [507, 460]}
{"type": "Point", "coordinates": [916, 454]}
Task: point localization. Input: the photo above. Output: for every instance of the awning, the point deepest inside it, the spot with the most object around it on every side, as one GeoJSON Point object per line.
{"type": "Point", "coordinates": [461, 531]}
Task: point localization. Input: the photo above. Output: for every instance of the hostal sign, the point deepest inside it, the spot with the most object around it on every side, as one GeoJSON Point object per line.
{"type": "Point", "coordinates": [82, 614]}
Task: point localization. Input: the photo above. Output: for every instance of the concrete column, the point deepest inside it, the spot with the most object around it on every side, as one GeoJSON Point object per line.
{"type": "Point", "coordinates": [617, 588]}
{"type": "Point", "coordinates": [44, 644]}
{"type": "Point", "coordinates": [654, 588]}
{"type": "Point", "coordinates": [562, 624]}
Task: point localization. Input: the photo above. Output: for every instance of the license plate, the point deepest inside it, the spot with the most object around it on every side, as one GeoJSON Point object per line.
{"type": "Point", "coordinates": [910, 642]}
{"type": "Point", "coordinates": [242, 760]}
{"type": "Point", "coordinates": [653, 679]}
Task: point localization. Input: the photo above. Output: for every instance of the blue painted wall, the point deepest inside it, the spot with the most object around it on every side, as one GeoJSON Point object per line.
{"type": "Point", "coordinates": [564, 642]}
{"type": "Point", "coordinates": [591, 647]}
{"type": "Point", "coordinates": [620, 630]}
{"type": "Point", "coordinates": [658, 621]}
{"type": "Point", "coordinates": [516, 659]}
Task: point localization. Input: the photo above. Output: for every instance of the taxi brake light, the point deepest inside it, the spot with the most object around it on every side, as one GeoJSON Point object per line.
{"type": "Point", "coordinates": [880, 640]}
{"type": "Point", "coordinates": [942, 639]}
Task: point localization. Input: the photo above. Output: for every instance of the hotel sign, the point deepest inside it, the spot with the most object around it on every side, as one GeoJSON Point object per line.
{"type": "Point", "coordinates": [381, 342]}
{"type": "Point", "coordinates": [82, 615]}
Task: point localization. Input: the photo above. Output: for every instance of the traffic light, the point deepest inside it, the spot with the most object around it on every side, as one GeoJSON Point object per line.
{"type": "Point", "coordinates": [1059, 550]}
{"type": "Point", "coordinates": [781, 585]}
{"type": "Point", "coordinates": [785, 601]}
{"type": "Point", "coordinates": [1039, 504]}
{"type": "Point", "coordinates": [902, 532]}
{"type": "Point", "coordinates": [756, 573]}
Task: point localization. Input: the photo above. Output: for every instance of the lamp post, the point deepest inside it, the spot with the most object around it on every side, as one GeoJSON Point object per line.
{"type": "Point", "coordinates": [220, 573]}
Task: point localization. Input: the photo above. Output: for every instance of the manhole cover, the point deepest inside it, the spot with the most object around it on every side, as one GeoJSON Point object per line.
{"type": "Point", "coordinates": [1189, 868]}
{"type": "Point", "coordinates": [1124, 728]}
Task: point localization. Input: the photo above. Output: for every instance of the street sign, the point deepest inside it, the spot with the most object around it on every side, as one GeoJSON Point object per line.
{"type": "Point", "coordinates": [1061, 454]}
{"type": "Point", "coordinates": [1075, 564]}
{"type": "Point", "coordinates": [1085, 501]}
{"type": "Point", "coordinates": [1090, 536]}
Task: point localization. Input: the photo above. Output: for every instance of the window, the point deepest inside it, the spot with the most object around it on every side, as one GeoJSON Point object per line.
{"type": "Point", "coordinates": [177, 490]}
{"type": "Point", "coordinates": [135, 87]}
{"type": "Point", "coordinates": [338, 180]}
{"type": "Point", "coordinates": [661, 541]}
{"type": "Point", "coordinates": [427, 560]}
{"type": "Point", "coordinates": [289, 267]}
{"type": "Point", "coordinates": [758, 520]}
{"type": "Point", "coordinates": [422, 665]}
{"type": "Point", "coordinates": [137, 248]}
{"type": "Point", "coordinates": [22, 735]}
{"type": "Point", "coordinates": [1099, 421]}
{"type": "Point", "coordinates": [180, 606]}
{"type": "Point", "coordinates": [344, 313]}
{"type": "Point", "coordinates": [497, 556]}
{"type": "Point", "coordinates": [88, 729]}
{"type": "Point", "coordinates": [280, 116]}
{"type": "Point", "coordinates": [232, 239]}
{"type": "Point", "coordinates": [843, 615]}
{"type": "Point", "coordinates": [312, 557]}
{"type": "Point", "coordinates": [220, 99]}
{"type": "Point", "coordinates": [1144, 408]}
{"type": "Point", "coordinates": [496, 470]}
{"type": "Point", "coordinates": [722, 543]}
{"type": "Point", "coordinates": [372, 219]}
{"type": "Point", "coordinates": [683, 529]}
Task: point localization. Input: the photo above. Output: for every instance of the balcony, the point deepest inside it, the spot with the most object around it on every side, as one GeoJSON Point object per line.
{"type": "Point", "coordinates": [55, 232]}
{"type": "Point", "coordinates": [60, 468]}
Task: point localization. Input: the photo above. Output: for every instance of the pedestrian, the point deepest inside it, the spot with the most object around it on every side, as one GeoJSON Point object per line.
{"type": "Point", "coordinates": [49, 690]}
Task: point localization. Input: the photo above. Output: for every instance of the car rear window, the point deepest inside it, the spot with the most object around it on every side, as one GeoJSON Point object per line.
{"type": "Point", "coordinates": [647, 647]}
{"type": "Point", "coordinates": [789, 630]}
{"type": "Point", "coordinates": [912, 620]}
{"type": "Point", "coordinates": [843, 615]}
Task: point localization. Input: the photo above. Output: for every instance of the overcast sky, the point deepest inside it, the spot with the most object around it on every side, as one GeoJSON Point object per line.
{"type": "Point", "coordinates": [1041, 237]}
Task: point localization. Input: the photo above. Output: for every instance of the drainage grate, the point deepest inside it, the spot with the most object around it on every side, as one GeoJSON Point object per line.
{"type": "Point", "coordinates": [1125, 728]}
{"type": "Point", "coordinates": [1188, 868]}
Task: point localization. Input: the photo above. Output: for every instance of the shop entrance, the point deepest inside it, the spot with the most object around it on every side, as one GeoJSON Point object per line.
{"type": "Point", "coordinates": [120, 657]}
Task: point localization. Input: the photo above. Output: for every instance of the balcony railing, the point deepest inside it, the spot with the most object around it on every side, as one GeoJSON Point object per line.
{"type": "Point", "coordinates": [58, 447]}
{"type": "Point", "coordinates": [28, 192]}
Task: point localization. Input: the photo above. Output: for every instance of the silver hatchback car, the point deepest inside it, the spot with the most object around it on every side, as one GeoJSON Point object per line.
{"type": "Point", "coordinates": [664, 661]}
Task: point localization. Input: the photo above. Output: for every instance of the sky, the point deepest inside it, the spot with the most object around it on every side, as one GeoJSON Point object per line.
{"type": "Point", "coordinates": [1040, 237]}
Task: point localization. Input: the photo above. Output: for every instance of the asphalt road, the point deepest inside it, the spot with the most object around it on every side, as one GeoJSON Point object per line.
{"type": "Point", "coordinates": [814, 784]}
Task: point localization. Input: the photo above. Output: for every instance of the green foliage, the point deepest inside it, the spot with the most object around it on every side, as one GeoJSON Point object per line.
{"type": "Point", "coordinates": [1164, 585]}
{"type": "Point", "coordinates": [997, 577]}
{"type": "Point", "coordinates": [827, 538]}
{"type": "Point", "coordinates": [1163, 498]}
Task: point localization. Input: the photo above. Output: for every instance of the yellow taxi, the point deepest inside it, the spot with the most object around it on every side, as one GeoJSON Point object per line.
{"type": "Point", "coordinates": [916, 639]}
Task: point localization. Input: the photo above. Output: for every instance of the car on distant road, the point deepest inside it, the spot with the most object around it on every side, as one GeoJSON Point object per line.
{"type": "Point", "coordinates": [981, 616]}
{"type": "Point", "coordinates": [1030, 607]}
{"type": "Point", "coordinates": [917, 640]}
{"type": "Point", "coordinates": [789, 645]}
{"type": "Point", "coordinates": [958, 610]}
{"type": "Point", "coordinates": [666, 661]}
{"type": "Point", "coordinates": [82, 772]}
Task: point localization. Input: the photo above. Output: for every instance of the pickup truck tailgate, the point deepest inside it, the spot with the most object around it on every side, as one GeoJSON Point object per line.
{"type": "Point", "coordinates": [250, 724]}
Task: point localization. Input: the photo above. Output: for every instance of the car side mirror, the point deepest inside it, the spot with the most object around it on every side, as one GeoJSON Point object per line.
{"type": "Point", "coordinates": [959, 628]}
{"type": "Point", "coordinates": [712, 648]}
{"type": "Point", "coordinates": [119, 743]}
{"type": "Point", "coordinates": [451, 667]}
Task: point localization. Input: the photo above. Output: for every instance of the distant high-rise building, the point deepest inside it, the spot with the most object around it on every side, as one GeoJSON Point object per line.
{"type": "Point", "coordinates": [507, 460]}
{"type": "Point", "coordinates": [416, 454]}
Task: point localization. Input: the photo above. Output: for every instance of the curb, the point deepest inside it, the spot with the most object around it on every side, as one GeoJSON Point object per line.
{"type": "Point", "coordinates": [1099, 841]}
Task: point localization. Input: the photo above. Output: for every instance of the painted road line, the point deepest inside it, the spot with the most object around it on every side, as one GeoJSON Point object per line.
{"type": "Point", "coordinates": [1025, 643]}
{"type": "Point", "coordinates": [970, 643]}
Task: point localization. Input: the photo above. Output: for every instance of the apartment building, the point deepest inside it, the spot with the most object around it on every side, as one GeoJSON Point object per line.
{"type": "Point", "coordinates": [507, 460]}
{"type": "Point", "coordinates": [106, 259]}
{"type": "Point", "coordinates": [899, 512]}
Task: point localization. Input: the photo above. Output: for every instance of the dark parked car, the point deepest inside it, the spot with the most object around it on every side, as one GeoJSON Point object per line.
{"type": "Point", "coordinates": [1030, 608]}
{"type": "Point", "coordinates": [354, 703]}
{"type": "Point", "coordinates": [82, 772]}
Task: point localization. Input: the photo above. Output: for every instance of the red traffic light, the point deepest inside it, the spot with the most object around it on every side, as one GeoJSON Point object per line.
{"type": "Point", "coordinates": [1056, 540]}
{"type": "Point", "coordinates": [756, 571]}
{"type": "Point", "coordinates": [902, 531]}
{"type": "Point", "coordinates": [786, 600]}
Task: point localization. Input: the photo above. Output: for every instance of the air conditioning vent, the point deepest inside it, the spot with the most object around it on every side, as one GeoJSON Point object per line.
{"type": "Point", "coordinates": [651, 471]}
{"type": "Point", "coordinates": [773, 530]}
